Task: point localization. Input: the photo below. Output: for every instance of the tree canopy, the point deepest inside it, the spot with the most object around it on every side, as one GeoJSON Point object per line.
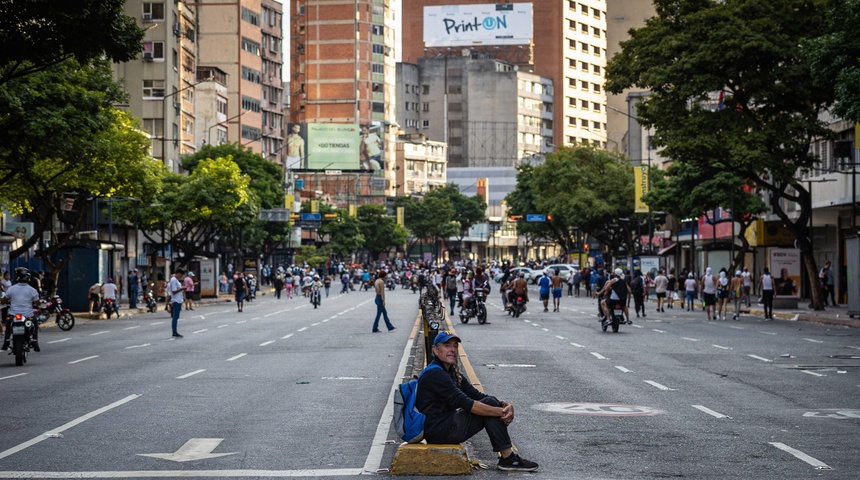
{"type": "Point", "coordinates": [835, 57]}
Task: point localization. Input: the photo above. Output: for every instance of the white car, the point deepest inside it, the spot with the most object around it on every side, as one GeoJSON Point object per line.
{"type": "Point", "coordinates": [529, 274]}
{"type": "Point", "coordinates": [565, 270]}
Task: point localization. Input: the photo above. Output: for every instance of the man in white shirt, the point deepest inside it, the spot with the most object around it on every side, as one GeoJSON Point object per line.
{"type": "Point", "coordinates": [747, 284]}
{"type": "Point", "coordinates": [109, 290]}
{"type": "Point", "coordinates": [661, 284]}
{"type": "Point", "coordinates": [177, 297]}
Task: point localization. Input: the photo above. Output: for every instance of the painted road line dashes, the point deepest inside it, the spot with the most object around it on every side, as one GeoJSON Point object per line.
{"type": "Point", "coordinates": [287, 336]}
{"type": "Point", "coordinates": [190, 374]}
{"type": "Point", "coordinates": [545, 329]}
{"type": "Point", "coordinates": [813, 340]}
{"type": "Point", "coordinates": [240, 322]}
{"type": "Point", "coordinates": [99, 333]}
{"type": "Point", "coordinates": [267, 343]}
{"type": "Point", "coordinates": [315, 324]}
{"type": "Point", "coordinates": [710, 412]}
{"type": "Point", "coordinates": [619, 367]}
{"type": "Point", "coordinates": [658, 331]}
{"type": "Point", "coordinates": [635, 325]}
{"type": "Point", "coordinates": [577, 345]}
{"type": "Point", "coordinates": [655, 384]}
{"type": "Point", "coordinates": [768, 333]}
{"type": "Point", "coordinates": [138, 346]}
{"type": "Point", "coordinates": [132, 328]}
{"type": "Point", "coordinates": [236, 357]}
{"type": "Point", "coordinates": [721, 347]}
{"type": "Point", "coordinates": [156, 323]}
{"type": "Point", "coordinates": [598, 356]}
{"type": "Point", "coordinates": [813, 373]}
{"type": "Point", "coordinates": [802, 456]}
{"type": "Point", "coordinates": [200, 331]}
{"type": "Point", "coordinates": [302, 329]}
{"type": "Point", "coordinates": [690, 339]}
{"type": "Point", "coordinates": [736, 327]}
{"type": "Point", "coordinates": [559, 337]}
{"type": "Point", "coordinates": [222, 326]}
{"type": "Point", "coordinates": [60, 340]}
{"type": "Point", "coordinates": [83, 359]}
{"type": "Point", "coordinates": [13, 376]}
{"type": "Point", "coordinates": [759, 358]}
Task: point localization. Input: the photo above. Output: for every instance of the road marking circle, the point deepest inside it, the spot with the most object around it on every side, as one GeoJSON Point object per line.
{"type": "Point", "coordinates": [598, 409]}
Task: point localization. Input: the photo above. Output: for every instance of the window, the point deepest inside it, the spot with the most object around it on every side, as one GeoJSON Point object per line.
{"type": "Point", "coordinates": [376, 30]}
{"type": "Point", "coordinates": [188, 63]}
{"type": "Point", "coordinates": [153, 50]}
{"type": "Point", "coordinates": [583, 123]}
{"type": "Point", "coordinates": [250, 16]}
{"type": "Point", "coordinates": [425, 89]}
{"type": "Point", "coordinates": [153, 88]}
{"type": "Point", "coordinates": [189, 95]}
{"type": "Point", "coordinates": [595, 69]}
{"type": "Point", "coordinates": [595, 87]}
{"type": "Point", "coordinates": [251, 133]}
{"type": "Point", "coordinates": [583, 84]}
{"type": "Point", "coordinates": [425, 106]}
{"type": "Point", "coordinates": [595, 125]}
{"type": "Point", "coordinates": [153, 126]}
{"type": "Point", "coordinates": [153, 11]}
{"type": "Point", "coordinates": [583, 28]}
{"type": "Point", "coordinates": [583, 47]}
{"type": "Point", "coordinates": [378, 107]}
{"type": "Point", "coordinates": [250, 46]}
{"type": "Point", "coordinates": [583, 8]}
{"type": "Point", "coordinates": [222, 106]}
{"type": "Point", "coordinates": [583, 104]}
{"type": "Point", "coordinates": [378, 68]}
{"type": "Point", "coordinates": [189, 126]}
{"type": "Point", "coordinates": [571, 121]}
{"type": "Point", "coordinates": [250, 74]}
{"type": "Point", "coordinates": [425, 123]}
{"type": "Point", "coordinates": [274, 45]}
{"type": "Point", "coordinates": [595, 31]}
{"type": "Point", "coordinates": [595, 12]}
{"type": "Point", "coordinates": [378, 49]}
{"type": "Point", "coordinates": [251, 104]}
{"type": "Point", "coordinates": [583, 66]}
{"type": "Point", "coordinates": [571, 101]}
{"type": "Point", "coordinates": [596, 50]}
{"type": "Point", "coordinates": [595, 106]}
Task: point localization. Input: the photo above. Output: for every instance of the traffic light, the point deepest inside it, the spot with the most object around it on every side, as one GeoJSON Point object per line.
{"type": "Point", "coordinates": [549, 218]}
{"type": "Point", "coordinates": [515, 218]}
{"type": "Point", "coordinates": [331, 216]}
{"type": "Point", "coordinates": [294, 216]}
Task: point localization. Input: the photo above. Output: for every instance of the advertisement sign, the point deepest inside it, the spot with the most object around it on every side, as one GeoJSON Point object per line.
{"type": "Point", "coordinates": [649, 266]}
{"type": "Point", "coordinates": [483, 24]}
{"type": "Point", "coordinates": [207, 277]}
{"type": "Point", "coordinates": [785, 269]}
{"type": "Point", "coordinates": [296, 141]}
{"type": "Point", "coordinates": [333, 146]}
{"type": "Point", "coordinates": [640, 179]}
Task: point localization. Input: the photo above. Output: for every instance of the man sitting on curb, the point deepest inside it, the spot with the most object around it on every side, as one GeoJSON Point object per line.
{"type": "Point", "coordinates": [455, 410]}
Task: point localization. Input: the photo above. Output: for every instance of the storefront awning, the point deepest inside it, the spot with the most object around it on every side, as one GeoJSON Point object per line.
{"type": "Point", "coordinates": [667, 250]}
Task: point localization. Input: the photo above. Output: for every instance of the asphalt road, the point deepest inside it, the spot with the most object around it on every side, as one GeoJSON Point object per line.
{"type": "Point", "coordinates": [284, 390]}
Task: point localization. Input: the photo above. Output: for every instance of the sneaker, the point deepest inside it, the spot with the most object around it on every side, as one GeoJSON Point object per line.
{"type": "Point", "coordinates": [177, 335]}
{"type": "Point", "coordinates": [629, 322]}
{"type": "Point", "coordinates": [5, 345]}
{"type": "Point", "coordinates": [517, 463]}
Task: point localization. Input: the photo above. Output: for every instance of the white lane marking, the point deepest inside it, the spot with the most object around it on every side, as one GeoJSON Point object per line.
{"type": "Point", "coordinates": [559, 337]}
{"type": "Point", "coordinates": [99, 333]}
{"type": "Point", "coordinates": [768, 333]}
{"type": "Point", "coordinates": [65, 427]}
{"type": "Point", "coordinates": [636, 326]}
{"type": "Point", "coordinates": [302, 329]}
{"type": "Point", "coordinates": [83, 359]}
{"type": "Point", "coordinates": [690, 339]}
{"type": "Point", "coordinates": [655, 384]}
{"type": "Point", "coordinates": [577, 345]}
{"type": "Point", "coordinates": [132, 328]}
{"type": "Point", "coordinates": [335, 472]}
{"type": "Point", "coordinates": [267, 343]}
{"type": "Point", "coordinates": [802, 456]}
{"type": "Point", "coordinates": [241, 321]}
{"type": "Point", "coordinates": [813, 373]}
{"type": "Point", "coordinates": [545, 329]}
{"type": "Point", "coordinates": [658, 331]}
{"type": "Point", "coordinates": [327, 319]}
{"type": "Point", "coordinates": [622, 369]}
{"type": "Point", "coordinates": [855, 348]}
{"type": "Point", "coordinates": [156, 323]}
{"type": "Point", "coordinates": [315, 324]}
{"type": "Point", "coordinates": [189, 374]}
{"type": "Point", "coordinates": [759, 358]}
{"type": "Point", "coordinates": [276, 313]}
{"type": "Point", "coordinates": [722, 347]}
{"type": "Point", "coordinates": [255, 318]}
{"type": "Point", "coordinates": [535, 325]}
{"type": "Point", "coordinates": [13, 376]}
{"type": "Point", "coordinates": [236, 357]}
{"type": "Point", "coordinates": [222, 326]}
{"type": "Point", "coordinates": [200, 331]}
{"type": "Point", "coordinates": [287, 336]}
{"type": "Point", "coordinates": [813, 340]}
{"type": "Point", "coordinates": [710, 412]}
{"type": "Point", "coordinates": [60, 340]}
{"type": "Point", "coordinates": [736, 327]}
{"type": "Point", "coordinates": [598, 356]}
{"type": "Point", "coordinates": [527, 321]}
{"type": "Point", "coordinates": [138, 346]}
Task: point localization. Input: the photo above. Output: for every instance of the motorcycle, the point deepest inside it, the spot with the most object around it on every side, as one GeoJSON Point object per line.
{"type": "Point", "coordinates": [616, 318]}
{"type": "Point", "coordinates": [65, 319]}
{"type": "Point", "coordinates": [518, 306]}
{"type": "Point", "coordinates": [389, 284]}
{"type": "Point", "coordinates": [109, 307]}
{"type": "Point", "coordinates": [22, 338]}
{"type": "Point", "coordinates": [316, 298]}
{"type": "Point", "coordinates": [149, 298]}
{"type": "Point", "coordinates": [476, 308]}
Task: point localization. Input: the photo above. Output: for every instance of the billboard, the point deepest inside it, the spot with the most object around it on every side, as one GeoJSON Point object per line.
{"type": "Point", "coordinates": [483, 24]}
{"type": "Point", "coordinates": [296, 141]}
{"type": "Point", "coordinates": [785, 269]}
{"type": "Point", "coordinates": [640, 177]}
{"type": "Point", "coordinates": [333, 146]}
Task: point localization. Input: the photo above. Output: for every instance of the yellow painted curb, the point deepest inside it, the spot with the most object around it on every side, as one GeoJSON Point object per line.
{"type": "Point", "coordinates": [426, 459]}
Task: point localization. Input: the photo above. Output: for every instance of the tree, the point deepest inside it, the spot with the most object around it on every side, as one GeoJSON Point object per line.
{"type": "Point", "coordinates": [343, 234]}
{"type": "Point", "coordinates": [468, 211]}
{"type": "Point", "coordinates": [522, 201]}
{"type": "Point", "coordinates": [731, 90]}
{"type": "Point", "coordinates": [429, 218]}
{"type": "Point", "coordinates": [39, 34]}
{"type": "Point", "coordinates": [835, 57]}
{"type": "Point", "coordinates": [380, 231]}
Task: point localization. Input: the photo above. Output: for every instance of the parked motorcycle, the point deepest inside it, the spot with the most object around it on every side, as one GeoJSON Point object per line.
{"type": "Point", "coordinates": [149, 299]}
{"type": "Point", "coordinates": [616, 318]}
{"type": "Point", "coordinates": [54, 305]}
{"type": "Point", "coordinates": [316, 298]}
{"type": "Point", "coordinates": [109, 307]}
{"type": "Point", "coordinates": [22, 338]}
{"type": "Point", "coordinates": [518, 306]}
{"type": "Point", "coordinates": [476, 308]}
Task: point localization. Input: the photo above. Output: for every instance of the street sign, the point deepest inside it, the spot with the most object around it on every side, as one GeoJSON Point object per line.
{"type": "Point", "coordinates": [311, 216]}
{"type": "Point", "coordinates": [308, 224]}
{"type": "Point", "coordinates": [300, 184]}
{"type": "Point", "coordinates": [274, 215]}
{"type": "Point", "coordinates": [535, 217]}
{"type": "Point", "coordinates": [333, 172]}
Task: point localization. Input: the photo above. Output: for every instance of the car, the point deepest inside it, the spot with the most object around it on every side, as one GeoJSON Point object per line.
{"type": "Point", "coordinates": [565, 270]}
{"type": "Point", "coordinates": [529, 274]}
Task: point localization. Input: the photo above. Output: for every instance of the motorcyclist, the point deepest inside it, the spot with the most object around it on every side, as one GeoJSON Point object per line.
{"type": "Point", "coordinates": [519, 287]}
{"type": "Point", "coordinates": [22, 298]}
{"type": "Point", "coordinates": [108, 292]}
{"type": "Point", "coordinates": [615, 291]}
{"type": "Point", "coordinates": [315, 287]}
{"type": "Point", "coordinates": [468, 291]}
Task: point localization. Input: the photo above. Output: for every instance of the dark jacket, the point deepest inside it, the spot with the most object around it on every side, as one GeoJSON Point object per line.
{"type": "Point", "coordinates": [439, 397]}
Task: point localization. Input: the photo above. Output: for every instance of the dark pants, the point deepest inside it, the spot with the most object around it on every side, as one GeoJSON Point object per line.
{"type": "Point", "coordinates": [278, 293]}
{"type": "Point", "coordinates": [466, 425]}
{"type": "Point", "coordinates": [767, 300]}
{"type": "Point", "coordinates": [639, 303]}
{"type": "Point", "coordinates": [176, 308]}
{"type": "Point", "coordinates": [381, 311]}
{"type": "Point", "coordinates": [452, 297]}
{"type": "Point", "coordinates": [132, 298]}
{"type": "Point", "coordinates": [828, 289]}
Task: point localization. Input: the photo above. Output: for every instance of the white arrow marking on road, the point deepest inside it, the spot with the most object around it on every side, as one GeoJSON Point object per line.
{"type": "Point", "coordinates": [236, 357]}
{"type": "Point", "coordinates": [60, 340]}
{"type": "Point", "coordinates": [302, 329]}
{"type": "Point", "coordinates": [802, 456]}
{"type": "Point", "coordinates": [760, 358]}
{"type": "Point", "coordinates": [710, 412]}
{"type": "Point", "coordinates": [132, 328]}
{"type": "Point", "coordinates": [720, 346]}
{"type": "Point", "coordinates": [577, 345]}
{"type": "Point", "coordinates": [267, 343]}
{"type": "Point", "coordinates": [655, 384]}
{"type": "Point", "coordinates": [138, 346]}
{"type": "Point", "coordinates": [598, 356]}
{"type": "Point", "coordinates": [622, 369]}
{"type": "Point", "coordinates": [287, 336]}
{"type": "Point", "coordinates": [195, 372]}
{"type": "Point", "coordinates": [83, 359]}
{"type": "Point", "coordinates": [99, 333]}
{"type": "Point", "coordinates": [813, 341]}
{"type": "Point", "coordinates": [690, 339]}
{"type": "Point", "coordinates": [194, 449]}
{"type": "Point", "coordinates": [13, 376]}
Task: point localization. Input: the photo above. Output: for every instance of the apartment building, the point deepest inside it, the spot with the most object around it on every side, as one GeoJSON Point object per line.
{"type": "Point", "coordinates": [420, 165]}
{"type": "Point", "coordinates": [569, 47]}
{"type": "Point", "coordinates": [272, 49]}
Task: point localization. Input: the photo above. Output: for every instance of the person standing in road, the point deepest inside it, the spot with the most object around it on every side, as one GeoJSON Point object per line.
{"type": "Point", "coordinates": [637, 289]}
{"type": "Point", "coordinates": [326, 284]}
{"type": "Point", "coordinates": [455, 410]}
{"type": "Point", "coordinates": [556, 291]}
{"type": "Point", "coordinates": [722, 294]}
{"type": "Point", "coordinates": [690, 290]}
{"type": "Point", "coordinates": [709, 293]}
{"type": "Point", "coordinates": [451, 290]}
{"type": "Point", "coordinates": [766, 287]}
{"type": "Point", "coordinates": [240, 286]}
{"type": "Point", "coordinates": [278, 284]}
{"type": "Point", "coordinates": [379, 287]}
{"type": "Point", "coordinates": [737, 293]}
{"type": "Point", "coordinates": [747, 285]}
{"type": "Point", "coordinates": [133, 288]}
{"type": "Point", "coordinates": [189, 283]}
{"type": "Point", "coordinates": [826, 276]}
{"type": "Point", "coordinates": [661, 286]}
{"type": "Point", "coordinates": [671, 289]}
{"type": "Point", "coordinates": [544, 284]}
{"type": "Point", "coordinates": [177, 296]}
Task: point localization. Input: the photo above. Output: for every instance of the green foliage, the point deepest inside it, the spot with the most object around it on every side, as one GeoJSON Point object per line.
{"type": "Point", "coordinates": [343, 233]}
{"type": "Point", "coordinates": [380, 231]}
{"type": "Point", "coordinates": [38, 34]}
{"type": "Point", "coordinates": [311, 255]}
{"type": "Point", "coordinates": [266, 178]}
{"type": "Point", "coordinates": [835, 57]}
{"type": "Point", "coordinates": [467, 211]}
{"type": "Point", "coordinates": [429, 218]}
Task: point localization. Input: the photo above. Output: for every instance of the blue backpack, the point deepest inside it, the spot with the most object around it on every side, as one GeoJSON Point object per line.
{"type": "Point", "coordinates": [408, 421]}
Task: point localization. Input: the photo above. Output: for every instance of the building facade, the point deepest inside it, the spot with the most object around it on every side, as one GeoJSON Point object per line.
{"type": "Point", "coordinates": [420, 165]}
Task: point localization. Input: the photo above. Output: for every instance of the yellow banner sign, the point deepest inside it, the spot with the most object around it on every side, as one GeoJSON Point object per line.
{"type": "Point", "coordinates": [640, 177]}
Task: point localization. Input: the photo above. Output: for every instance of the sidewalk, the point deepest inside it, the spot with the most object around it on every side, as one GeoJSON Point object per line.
{"type": "Point", "coordinates": [141, 305]}
{"type": "Point", "coordinates": [837, 315]}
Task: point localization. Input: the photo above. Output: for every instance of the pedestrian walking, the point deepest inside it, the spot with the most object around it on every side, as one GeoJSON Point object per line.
{"type": "Point", "coordinates": [737, 293]}
{"type": "Point", "coordinates": [544, 284]}
{"type": "Point", "coordinates": [240, 287]}
{"type": "Point", "coordinates": [223, 283]}
{"type": "Point", "coordinates": [190, 283]}
{"type": "Point", "coordinates": [671, 289]}
{"type": "Point", "coordinates": [278, 284]}
{"type": "Point", "coordinates": [379, 287]}
{"type": "Point", "coordinates": [747, 276]}
{"type": "Point", "coordinates": [177, 296]}
{"type": "Point", "coordinates": [826, 278]}
{"type": "Point", "coordinates": [326, 284]}
{"type": "Point", "coordinates": [661, 286]}
{"type": "Point", "coordinates": [766, 289]}
{"type": "Point", "coordinates": [690, 290]}
{"type": "Point", "coordinates": [576, 281]}
{"type": "Point", "coordinates": [637, 288]}
{"type": "Point", "coordinates": [722, 294]}
{"type": "Point", "coordinates": [709, 293]}
{"type": "Point", "coordinates": [556, 291]}
{"type": "Point", "coordinates": [133, 288]}
{"type": "Point", "coordinates": [451, 290]}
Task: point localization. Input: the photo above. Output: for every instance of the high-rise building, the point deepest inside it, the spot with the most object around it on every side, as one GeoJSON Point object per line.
{"type": "Point", "coordinates": [272, 102]}
{"type": "Point", "coordinates": [568, 47]}
{"type": "Point", "coordinates": [342, 72]}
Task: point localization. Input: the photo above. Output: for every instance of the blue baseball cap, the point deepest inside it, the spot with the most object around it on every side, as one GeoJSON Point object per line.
{"type": "Point", "coordinates": [444, 336]}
